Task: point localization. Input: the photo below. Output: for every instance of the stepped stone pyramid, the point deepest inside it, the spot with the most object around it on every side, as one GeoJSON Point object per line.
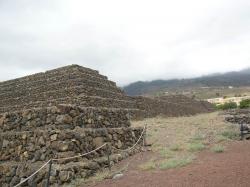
{"type": "Point", "coordinates": [60, 113]}
{"type": "Point", "coordinates": [67, 85]}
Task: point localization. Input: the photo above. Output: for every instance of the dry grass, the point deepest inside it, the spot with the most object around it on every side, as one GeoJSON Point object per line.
{"type": "Point", "coordinates": [176, 139]}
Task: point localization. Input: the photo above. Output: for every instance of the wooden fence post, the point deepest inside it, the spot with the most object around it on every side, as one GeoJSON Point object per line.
{"type": "Point", "coordinates": [49, 172]}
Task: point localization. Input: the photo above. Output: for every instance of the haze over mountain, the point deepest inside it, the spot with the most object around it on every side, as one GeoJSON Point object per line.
{"type": "Point", "coordinates": [234, 78]}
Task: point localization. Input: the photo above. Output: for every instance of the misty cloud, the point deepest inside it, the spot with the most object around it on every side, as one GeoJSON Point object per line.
{"type": "Point", "coordinates": [125, 40]}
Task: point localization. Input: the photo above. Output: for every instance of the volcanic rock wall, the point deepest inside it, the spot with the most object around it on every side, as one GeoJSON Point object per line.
{"type": "Point", "coordinates": [171, 106]}
{"type": "Point", "coordinates": [238, 116]}
{"type": "Point", "coordinates": [33, 136]}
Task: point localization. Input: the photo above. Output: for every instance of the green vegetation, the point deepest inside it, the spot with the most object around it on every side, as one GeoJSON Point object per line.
{"type": "Point", "coordinates": [166, 153]}
{"type": "Point", "coordinates": [217, 149]}
{"type": "Point", "coordinates": [245, 103]}
{"type": "Point", "coordinates": [175, 147]}
{"type": "Point", "coordinates": [226, 106]}
{"type": "Point", "coordinates": [179, 139]}
{"type": "Point", "coordinates": [175, 162]}
{"type": "Point", "coordinates": [196, 146]}
{"type": "Point", "coordinates": [230, 134]}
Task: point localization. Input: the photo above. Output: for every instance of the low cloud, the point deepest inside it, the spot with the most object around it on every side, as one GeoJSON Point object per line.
{"type": "Point", "coordinates": [125, 40]}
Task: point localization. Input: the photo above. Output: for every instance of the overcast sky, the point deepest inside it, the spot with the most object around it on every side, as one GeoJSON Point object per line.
{"type": "Point", "coordinates": [127, 40]}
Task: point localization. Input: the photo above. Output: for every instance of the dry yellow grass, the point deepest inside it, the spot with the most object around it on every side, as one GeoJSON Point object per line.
{"type": "Point", "coordinates": [182, 137]}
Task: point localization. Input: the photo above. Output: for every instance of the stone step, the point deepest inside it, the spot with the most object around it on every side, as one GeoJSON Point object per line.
{"type": "Point", "coordinates": [66, 92]}
{"type": "Point", "coordinates": [41, 145]}
{"type": "Point", "coordinates": [56, 86]}
{"type": "Point", "coordinates": [50, 80]}
{"type": "Point", "coordinates": [154, 107]}
{"type": "Point", "coordinates": [83, 101]}
{"type": "Point", "coordinates": [62, 173]}
{"type": "Point", "coordinates": [68, 117]}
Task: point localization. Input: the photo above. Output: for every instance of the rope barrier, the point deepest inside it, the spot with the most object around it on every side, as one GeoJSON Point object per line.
{"type": "Point", "coordinates": [26, 179]}
{"type": "Point", "coordinates": [80, 155]}
{"type": "Point", "coordinates": [125, 150]}
{"type": "Point", "coordinates": [73, 157]}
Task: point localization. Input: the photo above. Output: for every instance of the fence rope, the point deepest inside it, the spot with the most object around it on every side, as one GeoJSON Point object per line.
{"type": "Point", "coordinates": [73, 157]}
{"type": "Point", "coordinates": [130, 148]}
{"type": "Point", "coordinates": [67, 158]}
{"type": "Point", "coordinates": [26, 179]}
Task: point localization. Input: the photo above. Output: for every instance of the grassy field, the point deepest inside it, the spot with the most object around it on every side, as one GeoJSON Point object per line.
{"type": "Point", "coordinates": [176, 141]}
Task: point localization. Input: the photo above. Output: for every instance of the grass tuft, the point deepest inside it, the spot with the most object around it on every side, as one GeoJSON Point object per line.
{"type": "Point", "coordinates": [175, 147]}
{"type": "Point", "coordinates": [196, 146]}
{"type": "Point", "coordinates": [230, 134]}
{"type": "Point", "coordinates": [218, 149]}
{"type": "Point", "coordinates": [166, 153]}
{"type": "Point", "coordinates": [174, 163]}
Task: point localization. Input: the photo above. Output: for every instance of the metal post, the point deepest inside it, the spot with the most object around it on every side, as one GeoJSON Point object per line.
{"type": "Point", "coordinates": [145, 137]}
{"type": "Point", "coordinates": [108, 155]}
{"type": "Point", "coordinates": [241, 131]}
{"type": "Point", "coordinates": [49, 172]}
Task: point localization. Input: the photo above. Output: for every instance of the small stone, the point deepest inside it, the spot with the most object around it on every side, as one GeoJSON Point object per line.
{"type": "Point", "coordinates": [119, 144]}
{"type": "Point", "coordinates": [64, 119]}
{"type": "Point", "coordinates": [64, 176]}
{"type": "Point", "coordinates": [26, 154]}
{"type": "Point", "coordinates": [117, 176]}
{"type": "Point", "coordinates": [24, 136]}
{"type": "Point", "coordinates": [98, 141]}
{"type": "Point", "coordinates": [5, 143]}
{"type": "Point", "coordinates": [41, 141]}
{"type": "Point", "coordinates": [53, 137]}
{"type": "Point", "coordinates": [1, 121]}
{"type": "Point", "coordinates": [63, 147]}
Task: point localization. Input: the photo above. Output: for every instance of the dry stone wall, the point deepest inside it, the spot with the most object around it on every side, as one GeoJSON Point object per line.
{"type": "Point", "coordinates": [31, 137]}
{"type": "Point", "coordinates": [172, 106]}
{"type": "Point", "coordinates": [238, 116]}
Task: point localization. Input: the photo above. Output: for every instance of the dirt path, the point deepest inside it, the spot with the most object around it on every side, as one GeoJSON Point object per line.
{"type": "Point", "coordinates": [230, 168]}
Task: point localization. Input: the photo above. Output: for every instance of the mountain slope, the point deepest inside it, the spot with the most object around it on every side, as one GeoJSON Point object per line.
{"type": "Point", "coordinates": [240, 78]}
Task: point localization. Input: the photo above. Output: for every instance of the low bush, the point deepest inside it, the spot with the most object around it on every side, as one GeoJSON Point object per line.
{"type": "Point", "coordinates": [245, 103]}
{"type": "Point", "coordinates": [227, 106]}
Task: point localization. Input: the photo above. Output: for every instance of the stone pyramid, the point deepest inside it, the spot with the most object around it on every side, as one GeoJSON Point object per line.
{"type": "Point", "coordinates": [61, 113]}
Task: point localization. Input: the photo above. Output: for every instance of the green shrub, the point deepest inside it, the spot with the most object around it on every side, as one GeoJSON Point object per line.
{"type": "Point", "coordinates": [230, 134]}
{"type": "Point", "coordinates": [226, 106]}
{"type": "Point", "coordinates": [245, 103]}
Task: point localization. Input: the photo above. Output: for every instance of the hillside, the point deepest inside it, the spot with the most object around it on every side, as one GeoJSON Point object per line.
{"type": "Point", "coordinates": [235, 79]}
